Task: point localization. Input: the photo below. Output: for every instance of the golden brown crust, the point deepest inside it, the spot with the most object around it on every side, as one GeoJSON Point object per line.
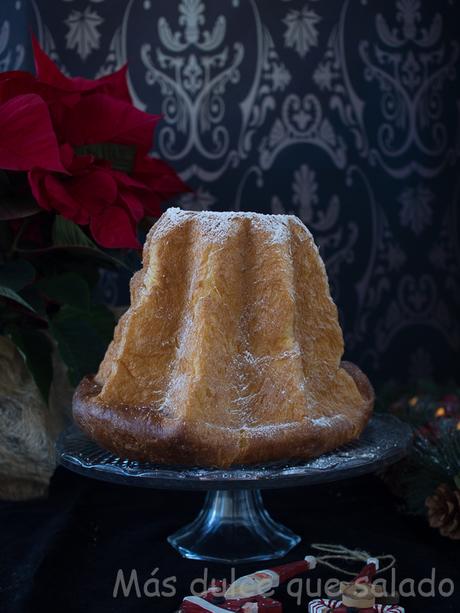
{"type": "Point", "coordinates": [230, 352]}
{"type": "Point", "coordinates": [126, 433]}
{"type": "Point", "coordinates": [364, 386]}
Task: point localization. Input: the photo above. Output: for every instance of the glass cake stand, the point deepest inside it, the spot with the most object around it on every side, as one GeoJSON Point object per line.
{"type": "Point", "coordinates": [233, 525]}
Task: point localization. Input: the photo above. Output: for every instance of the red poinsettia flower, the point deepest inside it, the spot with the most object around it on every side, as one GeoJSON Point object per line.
{"type": "Point", "coordinates": [104, 136]}
{"type": "Point", "coordinates": [27, 135]}
{"type": "Point", "coordinates": [53, 86]}
{"type": "Point", "coordinates": [114, 85]}
{"type": "Point", "coordinates": [101, 174]}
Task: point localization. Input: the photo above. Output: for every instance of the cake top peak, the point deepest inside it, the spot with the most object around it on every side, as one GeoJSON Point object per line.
{"type": "Point", "coordinates": [176, 212]}
{"type": "Point", "coordinates": [219, 224]}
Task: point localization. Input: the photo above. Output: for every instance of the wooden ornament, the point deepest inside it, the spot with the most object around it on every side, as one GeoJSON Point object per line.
{"type": "Point", "coordinates": [377, 590]}
{"type": "Point", "coordinates": [358, 595]}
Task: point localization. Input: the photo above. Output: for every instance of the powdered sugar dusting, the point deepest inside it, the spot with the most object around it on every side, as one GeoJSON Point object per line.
{"type": "Point", "coordinates": [216, 226]}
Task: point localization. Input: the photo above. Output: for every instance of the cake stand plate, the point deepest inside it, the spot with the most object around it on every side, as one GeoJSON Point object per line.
{"type": "Point", "coordinates": [234, 525]}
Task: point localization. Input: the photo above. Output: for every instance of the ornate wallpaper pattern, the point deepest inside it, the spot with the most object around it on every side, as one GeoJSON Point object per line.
{"type": "Point", "coordinates": [345, 113]}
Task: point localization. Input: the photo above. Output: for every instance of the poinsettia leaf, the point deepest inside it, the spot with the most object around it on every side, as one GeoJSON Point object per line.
{"type": "Point", "coordinates": [103, 320]}
{"type": "Point", "coordinates": [7, 316]}
{"type": "Point", "coordinates": [112, 121]}
{"type": "Point", "coordinates": [16, 200]}
{"type": "Point", "coordinates": [67, 288]}
{"type": "Point", "coordinates": [34, 297]}
{"type": "Point", "coordinates": [36, 350]}
{"type": "Point", "coordinates": [68, 235]}
{"type": "Point", "coordinates": [82, 338]}
{"type": "Point", "coordinates": [16, 274]}
{"type": "Point", "coordinates": [120, 157]}
{"type": "Point", "coordinates": [12, 207]}
{"type": "Point", "coordinates": [28, 136]}
{"type": "Point", "coordinates": [114, 84]}
{"type": "Point", "coordinates": [9, 293]}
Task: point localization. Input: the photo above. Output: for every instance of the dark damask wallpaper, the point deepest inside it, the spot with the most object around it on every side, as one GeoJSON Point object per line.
{"type": "Point", "coordinates": [345, 113]}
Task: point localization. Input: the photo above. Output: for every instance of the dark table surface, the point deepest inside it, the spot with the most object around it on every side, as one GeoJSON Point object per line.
{"type": "Point", "coordinates": [63, 553]}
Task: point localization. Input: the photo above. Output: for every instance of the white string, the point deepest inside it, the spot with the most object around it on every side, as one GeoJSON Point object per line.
{"type": "Point", "coordinates": [339, 552]}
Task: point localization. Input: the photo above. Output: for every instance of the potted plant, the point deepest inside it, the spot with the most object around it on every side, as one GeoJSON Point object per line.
{"type": "Point", "coordinates": [76, 180]}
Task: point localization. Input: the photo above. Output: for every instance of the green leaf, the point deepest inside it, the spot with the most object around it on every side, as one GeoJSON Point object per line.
{"type": "Point", "coordinates": [82, 338]}
{"type": "Point", "coordinates": [121, 157]}
{"type": "Point", "coordinates": [35, 299]}
{"type": "Point", "coordinates": [16, 274]}
{"type": "Point", "coordinates": [68, 288]}
{"type": "Point", "coordinates": [66, 233]}
{"type": "Point", "coordinates": [6, 292]}
{"type": "Point", "coordinates": [36, 349]}
{"type": "Point", "coordinates": [16, 200]}
{"type": "Point", "coordinates": [17, 208]}
{"type": "Point", "coordinates": [103, 321]}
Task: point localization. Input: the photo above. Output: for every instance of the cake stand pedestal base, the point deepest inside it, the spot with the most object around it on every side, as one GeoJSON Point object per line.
{"type": "Point", "coordinates": [233, 527]}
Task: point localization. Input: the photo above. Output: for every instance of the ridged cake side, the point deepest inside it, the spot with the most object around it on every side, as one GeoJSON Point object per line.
{"type": "Point", "coordinates": [230, 351]}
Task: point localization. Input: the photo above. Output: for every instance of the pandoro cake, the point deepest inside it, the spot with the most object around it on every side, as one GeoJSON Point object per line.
{"type": "Point", "coordinates": [230, 352]}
